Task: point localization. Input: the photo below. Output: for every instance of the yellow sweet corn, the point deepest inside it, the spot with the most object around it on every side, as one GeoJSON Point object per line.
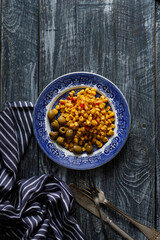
{"type": "Point", "coordinates": [88, 116]}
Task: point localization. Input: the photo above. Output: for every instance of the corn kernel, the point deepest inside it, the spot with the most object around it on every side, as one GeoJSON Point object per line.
{"type": "Point", "coordinates": [66, 145]}
{"type": "Point", "coordinates": [94, 122]}
{"type": "Point", "coordinates": [93, 110]}
{"type": "Point", "coordinates": [103, 111]}
{"type": "Point", "coordinates": [86, 115]}
{"type": "Point", "coordinates": [71, 125]}
{"type": "Point", "coordinates": [99, 145]}
{"type": "Point", "coordinates": [90, 118]}
{"type": "Point", "coordinates": [105, 139]}
{"type": "Point", "coordinates": [103, 128]}
{"type": "Point", "coordinates": [103, 117]}
{"type": "Point", "coordinates": [83, 129]}
{"type": "Point", "coordinates": [82, 91]}
{"type": "Point", "coordinates": [85, 138]}
{"type": "Point", "coordinates": [57, 107]}
{"type": "Point", "coordinates": [76, 124]}
{"type": "Point", "coordinates": [93, 140]}
{"type": "Point", "coordinates": [76, 117]}
{"type": "Point", "coordinates": [75, 140]}
{"type": "Point", "coordinates": [111, 114]}
{"type": "Point", "coordinates": [112, 126]}
{"type": "Point", "coordinates": [88, 122]}
{"type": "Point", "coordinates": [82, 111]}
{"type": "Point", "coordinates": [81, 119]}
{"type": "Point", "coordinates": [102, 105]}
{"type": "Point", "coordinates": [71, 145]}
{"type": "Point", "coordinates": [81, 142]}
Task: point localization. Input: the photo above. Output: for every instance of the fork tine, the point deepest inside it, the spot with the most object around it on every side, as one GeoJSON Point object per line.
{"type": "Point", "coordinates": [89, 186]}
{"type": "Point", "coordinates": [85, 188]}
{"type": "Point", "coordinates": [83, 191]}
{"type": "Point", "coordinates": [93, 186]}
{"type": "Point", "coordinates": [84, 183]}
{"type": "Point", "coordinates": [87, 191]}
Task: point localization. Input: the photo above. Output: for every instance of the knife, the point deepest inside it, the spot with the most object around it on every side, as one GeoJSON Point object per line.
{"type": "Point", "coordinates": [89, 205]}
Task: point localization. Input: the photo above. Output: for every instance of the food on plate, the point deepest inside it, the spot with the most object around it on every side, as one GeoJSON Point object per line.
{"type": "Point", "coordinates": [84, 121]}
{"type": "Point", "coordinates": [69, 134]}
{"type": "Point", "coordinates": [53, 135]}
{"type": "Point", "coordinates": [60, 140]}
{"type": "Point", "coordinates": [55, 125]}
{"type": "Point", "coordinates": [89, 148]}
{"type": "Point", "coordinates": [61, 120]}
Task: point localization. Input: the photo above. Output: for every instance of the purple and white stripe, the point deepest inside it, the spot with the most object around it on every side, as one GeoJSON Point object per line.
{"type": "Point", "coordinates": [34, 208]}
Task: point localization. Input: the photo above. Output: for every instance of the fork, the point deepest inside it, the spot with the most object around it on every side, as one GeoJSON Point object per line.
{"type": "Point", "coordinates": [87, 189]}
{"type": "Point", "coordinates": [95, 197]}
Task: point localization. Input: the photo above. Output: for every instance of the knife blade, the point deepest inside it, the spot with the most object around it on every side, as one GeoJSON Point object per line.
{"type": "Point", "coordinates": [89, 205]}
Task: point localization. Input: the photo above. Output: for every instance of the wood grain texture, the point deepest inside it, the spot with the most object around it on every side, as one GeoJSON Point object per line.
{"type": "Point", "coordinates": [0, 54]}
{"type": "Point", "coordinates": [157, 213]}
{"type": "Point", "coordinates": [44, 39]}
{"type": "Point", "coordinates": [19, 50]}
{"type": "Point", "coordinates": [19, 57]}
{"type": "Point", "coordinates": [49, 28]}
{"type": "Point", "coordinates": [78, 36]}
{"type": "Point", "coordinates": [135, 76]}
{"type": "Point", "coordinates": [96, 53]}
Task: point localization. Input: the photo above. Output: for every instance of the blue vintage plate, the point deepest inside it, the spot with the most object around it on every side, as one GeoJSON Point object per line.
{"type": "Point", "coordinates": [59, 89]}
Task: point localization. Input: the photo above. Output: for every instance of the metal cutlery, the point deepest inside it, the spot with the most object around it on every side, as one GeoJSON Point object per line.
{"type": "Point", "coordinates": [87, 189]}
{"type": "Point", "coordinates": [89, 205]}
{"type": "Point", "coordinates": [94, 195]}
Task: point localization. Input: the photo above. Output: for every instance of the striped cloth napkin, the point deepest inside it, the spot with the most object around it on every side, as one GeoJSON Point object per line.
{"type": "Point", "coordinates": [34, 208]}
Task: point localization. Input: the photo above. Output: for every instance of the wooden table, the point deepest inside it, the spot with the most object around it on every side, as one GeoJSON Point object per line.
{"type": "Point", "coordinates": [41, 40]}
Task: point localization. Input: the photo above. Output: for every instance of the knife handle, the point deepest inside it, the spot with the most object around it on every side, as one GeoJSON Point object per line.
{"type": "Point", "coordinates": [118, 229]}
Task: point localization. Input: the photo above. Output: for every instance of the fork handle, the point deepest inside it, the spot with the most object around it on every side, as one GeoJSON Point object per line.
{"type": "Point", "coordinates": [102, 223]}
{"type": "Point", "coordinates": [150, 233]}
{"type": "Point", "coordinates": [118, 229]}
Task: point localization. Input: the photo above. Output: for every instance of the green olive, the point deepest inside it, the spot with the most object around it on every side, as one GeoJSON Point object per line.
{"type": "Point", "coordinates": [60, 140]}
{"type": "Point", "coordinates": [69, 134]}
{"type": "Point", "coordinates": [77, 149]}
{"type": "Point", "coordinates": [62, 130]}
{"type": "Point", "coordinates": [55, 125]}
{"type": "Point", "coordinates": [89, 148]}
{"type": "Point", "coordinates": [61, 120]}
{"type": "Point", "coordinates": [53, 135]}
{"type": "Point", "coordinates": [51, 114]}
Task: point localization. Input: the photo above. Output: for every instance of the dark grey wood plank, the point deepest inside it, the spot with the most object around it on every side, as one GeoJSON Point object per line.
{"type": "Point", "coordinates": [19, 58]}
{"type": "Point", "coordinates": [58, 53]}
{"type": "Point", "coordinates": [157, 114]}
{"type": "Point", "coordinates": [96, 53]}
{"type": "Point", "coordinates": [0, 55]}
{"type": "Point", "coordinates": [135, 76]}
{"type": "Point", "coordinates": [50, 30]}
{"type": "Point", "coordinates": [2, 235]}
{"type": "Point", "coordinates": [96, 37]}
{"type": "Point", "coordinates": [78, 36]}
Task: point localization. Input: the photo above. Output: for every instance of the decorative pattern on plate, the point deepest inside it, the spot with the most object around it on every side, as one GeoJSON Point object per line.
{"type": "Point", "coordinates": [59, 88]}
